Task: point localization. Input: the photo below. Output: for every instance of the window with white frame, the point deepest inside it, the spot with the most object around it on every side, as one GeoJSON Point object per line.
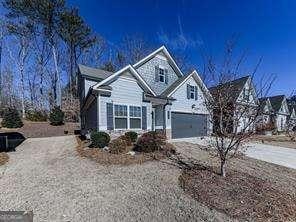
{"type": "Point", "coordinates": [120, 116]}
{"type": "Point", "coordinates": [161, 75]}
{"type": "Point", "coordinates": [192, 92]}
{"type": "Point", "coordinates": [135, 117]}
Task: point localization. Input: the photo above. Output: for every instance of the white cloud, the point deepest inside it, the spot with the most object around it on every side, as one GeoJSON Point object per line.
{"type": "Point", "coordinates": [179, 41]}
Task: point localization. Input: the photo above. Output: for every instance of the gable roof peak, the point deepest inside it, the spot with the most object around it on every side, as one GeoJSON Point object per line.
{"type": "Point", "coordinates": [167, 54]}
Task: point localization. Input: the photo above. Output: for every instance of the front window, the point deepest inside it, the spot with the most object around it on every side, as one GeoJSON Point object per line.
{"type": "Point", "coordinates": [161, 75]}
{"type": "Point", "coordinates": [120, 115]}
{"type": "Point", "coordinates": [192, 92]}
{"type": "Point", "coordinates": [135, 117]}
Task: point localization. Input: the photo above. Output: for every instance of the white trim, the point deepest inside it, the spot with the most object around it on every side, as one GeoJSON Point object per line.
{"type": "Point", "coordinates": [180, 84]}
{"type": "Point", "coordinates": [166, 52]}
{"type": "Point", "coordinates": [204, 89]}
{"type": "Point", "coordinates": [127, 117]}
{"type": "Point", "coordinates": [133, 71]}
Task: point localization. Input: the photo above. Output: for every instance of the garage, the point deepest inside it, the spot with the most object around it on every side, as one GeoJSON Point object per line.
{"type": "Point", "coordinates": [188, 125]}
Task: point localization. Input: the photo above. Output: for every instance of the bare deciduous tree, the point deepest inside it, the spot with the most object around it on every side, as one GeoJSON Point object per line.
{"type": "Point", "coordinates": [23, 34]}
{"type": "Point", "coordinates": [234, 106]}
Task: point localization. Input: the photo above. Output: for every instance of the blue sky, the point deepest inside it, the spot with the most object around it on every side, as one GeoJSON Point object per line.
{"type": "Point", "coordinates": [267, 29]}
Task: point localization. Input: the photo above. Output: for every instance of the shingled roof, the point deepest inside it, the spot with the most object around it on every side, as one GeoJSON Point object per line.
{"type": "Point", "coordinates": [276, 102]}
{"type": "Point", "coordinates": [236, 87]}
{"type": "Point", "coordinates": [94, 73]}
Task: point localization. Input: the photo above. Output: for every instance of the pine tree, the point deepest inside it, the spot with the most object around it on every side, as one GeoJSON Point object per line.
{"type": "Point", "coordinates": [11, 119]}
{"type": "Point", "coordinates": [56, 116]}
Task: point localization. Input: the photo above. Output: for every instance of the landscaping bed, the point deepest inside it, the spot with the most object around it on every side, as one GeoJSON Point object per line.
{"type": "Point", "coordinates": [122, 151]}
{"type": "Point", "coordinates": [239, 195]}
{"type": "Point", "coordinates": [253, 190]}
{"type": "Point", "coordinates": [3, 158]}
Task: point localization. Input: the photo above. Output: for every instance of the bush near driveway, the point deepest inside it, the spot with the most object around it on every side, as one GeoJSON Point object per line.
{"type": "Point", "coordinates": [11, 118]}
{"type": "Point", "coordinates": [132, 136]}
{"type": "Point", "coordinates": [150, 142]}
{"type": "Point", "coordinates": [99, 139]}
{"type": "Point", "coordinates": [119, 145]}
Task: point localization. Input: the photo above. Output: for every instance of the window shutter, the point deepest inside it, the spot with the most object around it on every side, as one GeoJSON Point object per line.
{"type": "Point", "coordinates": [188, 91]}
{"type": "Point", "coordinates": [195, 92]}
{"type": "Point", "coordinates": [166, 76]}
{"type": "Point", "coordinates": [144, 117]}
{"type": "Point", "coordinates": [156, 74]}
{"type": "Point", "coordinates": [110, 125]}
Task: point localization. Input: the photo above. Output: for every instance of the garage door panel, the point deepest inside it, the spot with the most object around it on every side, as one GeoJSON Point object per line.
{"type": "Point", "coordinates": [188, 125]}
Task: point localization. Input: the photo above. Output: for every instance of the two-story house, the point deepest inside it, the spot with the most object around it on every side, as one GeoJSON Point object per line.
{"type": "Point", "coordinates": [152, 94]}
{"type": "Point", "coordinates": [281, 112]}
{"type": "Point", "coordinates": [292, 117]}
{"type": "Point", "coordinates": [240, 98]}
{"type": "Point", "coordinates": [265, 116]}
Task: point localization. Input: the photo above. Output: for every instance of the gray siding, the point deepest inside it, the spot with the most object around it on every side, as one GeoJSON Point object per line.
{"type": "Point", "coordinates": [147, 71]}
{"type": "Point", "coordinates": [125, 91]}
{"type": "Point", "coordinates": [91, 114]}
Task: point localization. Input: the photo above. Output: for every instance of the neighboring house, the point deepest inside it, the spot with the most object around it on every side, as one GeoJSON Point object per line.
{"type": "Point", "coordinates": [292, 117]}
{"type": "Point", "coordinates": [281, 112]}
{"type": "Point", "coordinates": [266, 112]}
{"type": "Point", "coordinates": [152, 94]}
{"type": "Point", "coordinates": [240, 93]}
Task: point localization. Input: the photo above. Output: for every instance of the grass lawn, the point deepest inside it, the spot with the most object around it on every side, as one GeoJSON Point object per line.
{"type": "Point", "coordinates": [275, 140]}
{"type": "Point", "coordinates": [252, 191]}
{"type": "Point", "coordinates": [43, 129]}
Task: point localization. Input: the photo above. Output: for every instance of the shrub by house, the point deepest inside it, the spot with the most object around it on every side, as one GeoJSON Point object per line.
{"type": "Point", "coordinates": [99, 139]}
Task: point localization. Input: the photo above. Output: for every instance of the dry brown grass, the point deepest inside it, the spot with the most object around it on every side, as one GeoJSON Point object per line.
{"type": "Point", "coordinates": [3, 158]}
{"type": "Point", "coordinates": [106, 158]}
{"type": "Point", "coordinates": [275, 140]}
{"type": "Point", "coordinates": [252, 191]}
{"type": "Point", "coordinates": [43, 129]}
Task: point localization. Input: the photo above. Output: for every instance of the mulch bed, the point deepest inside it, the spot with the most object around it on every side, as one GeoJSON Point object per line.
{"type": "Point", "coordinates": [105, 158]}
{"type": "Point", "coordinates": [3, 158]}
{"type": "Point", "coordinates": [239, 195]}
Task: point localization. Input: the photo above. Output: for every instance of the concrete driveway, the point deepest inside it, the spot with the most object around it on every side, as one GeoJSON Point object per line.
{"type": "Point", "coordinates": [47, 176]}
{"type": "Point", "coordinates": [272, 154]}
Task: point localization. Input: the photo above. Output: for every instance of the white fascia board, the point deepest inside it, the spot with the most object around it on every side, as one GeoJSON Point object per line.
{"type": "Point", "coordinates": [166, 52]}
{"type": "Point", "coordinates": [133, 71]}
{"type": "Point", "coordinates": [199, 82]}
{"type": "Point", "coordinates": [180, 84]}
{"type": "Point", "coordinates": [148, 56]}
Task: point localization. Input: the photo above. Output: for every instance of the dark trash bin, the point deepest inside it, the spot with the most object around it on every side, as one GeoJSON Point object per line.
{"type": "Point", "coordinates": [9, 141]}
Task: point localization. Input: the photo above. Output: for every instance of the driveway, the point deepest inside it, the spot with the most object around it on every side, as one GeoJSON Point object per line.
{"type": "Point", "coordinates": [46, 175]}
{"type": "Point", "coordinates": [272, 154]}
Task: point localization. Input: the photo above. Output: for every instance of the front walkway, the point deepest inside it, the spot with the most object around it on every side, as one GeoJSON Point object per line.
{"type": "Point", "coordinates": [272, 154]}
{"type": "Point", "coordinates": [47, 176]}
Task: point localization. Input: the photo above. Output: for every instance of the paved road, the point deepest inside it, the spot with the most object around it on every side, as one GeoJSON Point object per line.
{"type": "Point", "coordinates": [46, 176]}
{"type": "Point", "coordinates": [273, 154]}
